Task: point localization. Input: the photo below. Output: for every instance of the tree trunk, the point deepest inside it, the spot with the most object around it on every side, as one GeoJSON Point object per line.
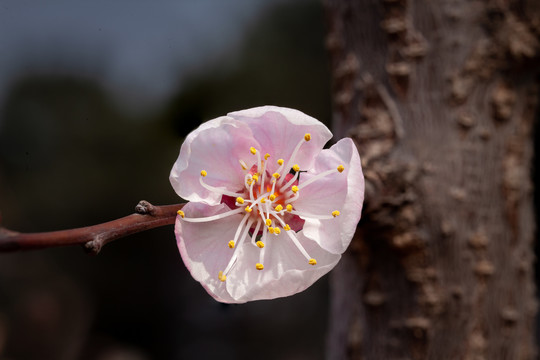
{"type": "Point", "coordinates": [440, 97]}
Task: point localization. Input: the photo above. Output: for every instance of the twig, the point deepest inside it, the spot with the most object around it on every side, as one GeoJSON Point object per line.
{"type": "Point", "coordinates": [93, 238]}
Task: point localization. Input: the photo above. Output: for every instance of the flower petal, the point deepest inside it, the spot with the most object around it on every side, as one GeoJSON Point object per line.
{"type": "Point", "coordinates": [278, 130]}
{"type": "Point", "coordinates": [339, 191]}
{"type": "Point", "coordinates": [286, 271]}
{"type": "Point", "coordinates": [203, 246]}
{"type": "Point", "coordinates": [216, 146]}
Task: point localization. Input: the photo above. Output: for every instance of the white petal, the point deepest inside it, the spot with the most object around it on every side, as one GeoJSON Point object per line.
{"type": "Point", "coordinates": [216, 146]}
{"type": "Point", "coordinates": [278, 130]}
{"type": "Point", "coordinates": [203, 246]}
{"type": "Point", "coordinates": [339, 191]}
{"type": "Point", "coordinates": [286, 271]}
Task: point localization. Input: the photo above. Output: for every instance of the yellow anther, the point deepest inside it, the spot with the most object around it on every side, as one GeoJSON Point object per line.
{"type": "Point", "coordinates": [231, 244]}
{"type": "Point", "coordinates": [335, 213]}
{"type": "Point", "coordinates": [248, 209]}
{"type": "Point", "coordinates": [312, 262]}
{"type": "Point", "coordinates": [276, 175]}
{"type": "Point", "coordinates": [340, 168]}
{"type": "Point", "coordinates": [239, 200]}
{"type": "Point", "coordinates": [307, 137]}
{"type": "Point", "coordinates": [294, 189]}
{"type": "Point", "coordinates": [255, 177]}
{"type": "Point", "coordinates": [272, 197]}
{"type": "Point", "coordinates": [271, 230]}
{"type": "Point", "coordinates": [279, 207]}
{"type": "Point", "coordinates": [221, 276]}
{"type": "Point", "coordinates": [289, 207]}
{"type": "Point", "coordinates": [286, 227]}
{"type": "Point", "coordinates": [252, 150]}
{"type": "Point", "coordinates": [259, 266]}
{"type": "Point", "coordinates": [268, 222]}
{"type": "Point", "coordinates": [266, 156]}
{"type": "Point", "coordinates": [277, 231]}
{"type": "Point", "coordinates": [263, 200]}
{"type": "Point", "coordinates": [181, 213]}
{"type": "Point", "coordinates": [260, 244]}
{"type": "Point", "coordinates": [203, 173]}
{"type": "Point", "coordinates": [296, 167]}
{"type": "Point", "coordinates": [249, 181]}
{"type": "Point", "coordinates": [243, 164]}
{"type": "Point", "coordinates": [280, 161]}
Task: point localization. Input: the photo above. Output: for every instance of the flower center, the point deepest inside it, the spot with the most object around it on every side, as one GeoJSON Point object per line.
{"type": "Point", "coordinates": [266, 201]}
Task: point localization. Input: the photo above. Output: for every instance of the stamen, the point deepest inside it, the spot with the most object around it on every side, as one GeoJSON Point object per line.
{"type": "Point", "coordinates": [255, 177]}
{"type": "Point", "coordinates": [280, 162]}
{"type": "Point", "coordinates": [232, 261]}
{"type": "Point", "coordinates": [293, 198]}
{"type": "Point", "coordinates": [294, 189]}
{"type": "Point", "coordinates": [296, 167]}
{"type": "Point", "coordinates": [251, 195]}
{"type": "Point", "coordinates": [312, 262]}
{"type": "Point", "coordinates": [277, 230]}
{"type": "Point", "coordinates": [272, 197]}
{"type": "Point", "coordinates": [248, 209]}
{"type": "Point", "coordinates": [276, 175]}
{"type": "Point", "coordinates": [231, 244]}
{"type": "Point", "coordinates": [243, 164]}
{"type": "Point", "coordinates": [266, 156]}
{"type": "Point", "coordinates": [248, 180]}
{"type": "Point", "coordinates": [340, 168]}
{"type": "Point", "coordinates": [317, 177]}
{"type": "Point", "coordinates": [215, 189]}
{"type": "Point", "coordinates": [256, 232]}
{"type": "Point", "coordinates": [260, 244]}
{"type": "Point", "coordinates": [253, 150]}
{"type": "Point", "coordinates": [214, 217]}
{"type": "Point", "coordinates": [293, 179]}
{"type": "Point", "coordinates": [271, 230]}
{"type": "Point", "coordinates": [335, 213]}
{"type": "Point", "coordinates": [263, 172]}
{"type": "Point", "coordinates": [298, 245]}
{"type": "Point", "coordinates": [286, 227]}
{"type": "Point", "coordinates": [268, 222]}
{"type": "Point", "coordinates": [259, 266]}
{"type": "Point", "coordinates": [307, 137]}
{"type": "Point", "coordinates": [291, 159]}
{"type": "Point", "coordinates": [267, 209]}
{"type": "Point", "coordinates": [181, 213]}
{"type": "Point", "coordinates": [221, 276]}
{"type": "Point", "coordinates": [279, 208]}
{"type": "Point", "coordinates": [240, 200]}
{"type": "Point", "coordinates": [289, 207]}
{"type": "Point", "coordinates": [203, 173]}
{"type": "Point", "coordinates": [313, 216]}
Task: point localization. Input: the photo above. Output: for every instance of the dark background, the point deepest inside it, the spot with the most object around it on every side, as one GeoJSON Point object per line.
{"type": "Point", "coordinates": [95, 100]}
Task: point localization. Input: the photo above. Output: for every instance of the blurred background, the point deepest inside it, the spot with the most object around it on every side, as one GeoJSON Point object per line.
{"type": "Point", "coordinates": [95, 100]}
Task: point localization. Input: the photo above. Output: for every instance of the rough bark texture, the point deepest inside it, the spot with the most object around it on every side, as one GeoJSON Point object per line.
{"type": "Point", "coordinates": [441, 98]}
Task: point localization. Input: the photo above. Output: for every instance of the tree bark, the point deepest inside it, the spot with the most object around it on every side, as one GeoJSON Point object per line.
{"type": "Point", "coordinates": [441, 98]}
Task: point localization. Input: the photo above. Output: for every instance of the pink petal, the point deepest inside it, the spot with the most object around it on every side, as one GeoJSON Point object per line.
{"type": "Point", "coordinates": [286, 271]}
{"type": "Point", "coordinates": [203, 246]}
{"type": "Point", "coordinates": [339, 191]}
{"type": "Point", "coordinates": [278, 130]}
{"type": "Point", "coordinates": [216, 146]}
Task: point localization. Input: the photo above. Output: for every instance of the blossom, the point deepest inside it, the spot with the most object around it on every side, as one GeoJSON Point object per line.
{"type": "Point", "coordinates": [269, 210]}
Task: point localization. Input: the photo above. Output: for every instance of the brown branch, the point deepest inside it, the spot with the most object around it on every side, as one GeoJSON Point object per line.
{"type": "Point", "coordinates": [93, 238]}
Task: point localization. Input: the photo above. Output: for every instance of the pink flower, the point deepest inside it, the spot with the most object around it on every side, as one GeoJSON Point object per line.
{"type": "Point", "coordinates": [269, 210]}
